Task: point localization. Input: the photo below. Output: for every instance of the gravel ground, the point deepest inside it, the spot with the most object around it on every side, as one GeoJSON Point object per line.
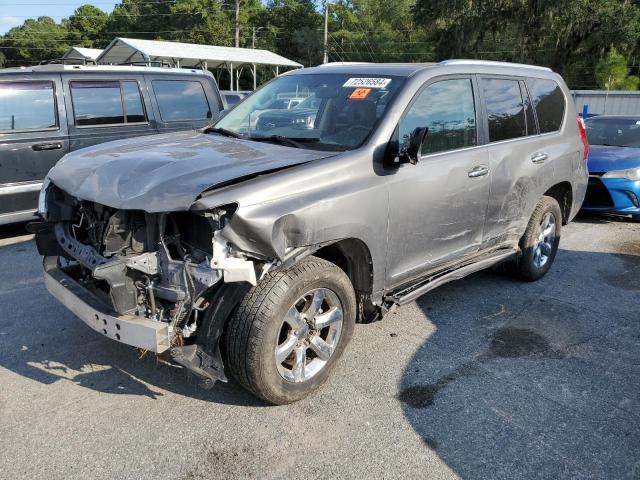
{"type": "Point", "coordinates": [483, 378]}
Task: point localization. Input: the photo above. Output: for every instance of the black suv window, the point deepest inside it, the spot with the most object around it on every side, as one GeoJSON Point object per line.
{"type": "Point", "coordinates": [181, 100]}
{"type": "Point", "coordinates": [446, 108]}
{"type": "Point", "coordinates": [27, 106]}
{"type": "Point", "coordinates": [106, 102]}
{"type": "Point", "coordinates": [505, 109]}
{"type": "Point", "coordinates": [549, 103]}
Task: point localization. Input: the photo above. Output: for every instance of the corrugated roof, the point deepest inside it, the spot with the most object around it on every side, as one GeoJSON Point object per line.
{"type": "Point", "coordinates": [81, 52]}
{"type": "Point", "coordinates": [126, 50]}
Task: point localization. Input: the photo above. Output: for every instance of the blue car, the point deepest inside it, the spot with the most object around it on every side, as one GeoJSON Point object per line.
{"type": "Point", "coordinates": [614, 165]}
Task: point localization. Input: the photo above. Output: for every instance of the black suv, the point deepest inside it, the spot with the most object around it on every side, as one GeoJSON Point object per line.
{"type": "Point", "coordinates": [50, 110]}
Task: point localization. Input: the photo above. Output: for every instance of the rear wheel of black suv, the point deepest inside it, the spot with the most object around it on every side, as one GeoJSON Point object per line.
{"type": "Point", "coordinates": [540, 241]}
{"type": "Point", "coordinates": [283, 341]}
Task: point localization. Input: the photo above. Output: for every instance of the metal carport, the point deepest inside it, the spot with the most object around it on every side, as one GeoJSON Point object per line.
{"type": "Point", "coordinates": [130, 50]}
{"type": "Point", "coordinates": [82, 53]}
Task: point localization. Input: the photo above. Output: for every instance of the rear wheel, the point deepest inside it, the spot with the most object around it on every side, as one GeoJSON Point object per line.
{"type": "Point", "coordinates": [540, 241]}
{"type": "Point", "coordinates": [287, 334]}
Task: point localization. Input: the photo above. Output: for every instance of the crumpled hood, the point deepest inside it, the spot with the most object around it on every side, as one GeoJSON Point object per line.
{"type": "Point", "coordinates": [162, 173]}
{"type": "Point", "coordinates": [603, 159]}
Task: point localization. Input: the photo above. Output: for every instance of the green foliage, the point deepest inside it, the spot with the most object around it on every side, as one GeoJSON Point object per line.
{"type": "Point", "coordinates": [86, 26]}
{"type": "Point", "coordinates": [612, 73]}
{"type": "Point", "coordinates": [33, 41]}
{"type": "Point", "coordinates": [566, 35]}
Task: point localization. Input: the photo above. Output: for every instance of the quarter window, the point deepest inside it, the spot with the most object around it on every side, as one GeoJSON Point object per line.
{"type": "Point", "coordinates": [27, 106]}
{"type": "Point", "coordinates": [505, 109]}
{"type": "Point", "coordinates": [447, 109]}
{"type": "Point", "coordinates": [97, 103]}
{"type": "Point", "coordinates": [549, 103]}
{"type": "Point", "coordinates": [181, 100]}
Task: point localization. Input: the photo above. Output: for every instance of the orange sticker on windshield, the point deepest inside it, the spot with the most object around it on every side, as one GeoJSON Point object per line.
{"type": "Point", "coordinates": [360, 94]}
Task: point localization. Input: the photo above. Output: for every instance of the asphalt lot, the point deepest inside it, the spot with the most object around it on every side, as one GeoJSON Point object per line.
{"type": "Point", "coordinates": [483, 378]}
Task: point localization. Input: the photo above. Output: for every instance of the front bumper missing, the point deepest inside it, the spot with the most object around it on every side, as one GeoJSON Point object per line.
{"type": "Point", "coordinates": [131, 330]}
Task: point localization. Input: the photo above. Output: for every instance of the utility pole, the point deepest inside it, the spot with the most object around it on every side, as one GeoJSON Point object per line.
{"type": "Point", "coordinates": [237, 23]}
{"type": "Point", "coordinates": [253, 38]}
{"type": "Point", "coordinates": [326, 31]}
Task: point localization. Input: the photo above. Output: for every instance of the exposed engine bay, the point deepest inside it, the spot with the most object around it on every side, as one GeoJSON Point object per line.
{"type": "Point", "coordinates": [162, 267]}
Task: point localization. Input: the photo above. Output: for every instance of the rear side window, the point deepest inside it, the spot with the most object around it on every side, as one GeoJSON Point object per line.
{"type": "Point", "coordinates": [110, 102]}
{"type": "Point", "coordinates": [181, 100]}
{"type": "Point", "coordinates": [549, 103]}
{"type": "Point", "coordinates": [27, 106]}
{"type": "Point", "coordinates": [447, 109]}
{"type": "Point", "coordinates": [505, 109]}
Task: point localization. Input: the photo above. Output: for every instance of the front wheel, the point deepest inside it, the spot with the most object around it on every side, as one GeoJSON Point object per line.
{"type": "Point", "coordinates": [540, 241]}
{"type": "Point", "coordinates": [288, 332]}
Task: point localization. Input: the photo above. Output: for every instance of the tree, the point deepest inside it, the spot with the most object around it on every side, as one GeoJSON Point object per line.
{"type": "Point", "coordinates": [86, 27]}
{"type": "Point", "coordinates": [566, 35]}
{"type": "Point", "coordinates": [33, 41]}
{"type": "Point", "coordinates": [376, 31]}
{"type": "Point", "coordinates": [294, 29]}
{"type": "Point", "coordinates": [612, 73]}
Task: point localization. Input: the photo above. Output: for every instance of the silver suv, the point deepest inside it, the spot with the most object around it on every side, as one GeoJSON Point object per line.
{"type": "Point", "coordinates": [252, 247]}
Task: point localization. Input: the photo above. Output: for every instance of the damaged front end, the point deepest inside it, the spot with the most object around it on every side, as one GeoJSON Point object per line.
{"type": "Point", "coordinates": [156, 281]}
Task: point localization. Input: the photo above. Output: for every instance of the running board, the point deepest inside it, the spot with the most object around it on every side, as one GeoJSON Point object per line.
{"type": "Point", "coordinates": [410, 294]}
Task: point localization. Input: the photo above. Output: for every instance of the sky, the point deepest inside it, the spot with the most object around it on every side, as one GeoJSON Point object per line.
{"type": "Point", "coordinates": [14, 12]}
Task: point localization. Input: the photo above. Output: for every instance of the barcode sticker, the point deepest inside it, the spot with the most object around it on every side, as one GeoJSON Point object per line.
{"type": "Point", "coordinates": [367, 82]}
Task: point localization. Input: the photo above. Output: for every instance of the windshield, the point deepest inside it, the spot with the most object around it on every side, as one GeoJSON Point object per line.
{"type": "Point", "coordinates": [320, 111]}
{"type": "Point", "coordinates": [617, 132]}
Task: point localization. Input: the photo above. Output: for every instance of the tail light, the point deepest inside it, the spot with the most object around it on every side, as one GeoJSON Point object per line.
{"type": "Point", "coordinates": [583, 136]}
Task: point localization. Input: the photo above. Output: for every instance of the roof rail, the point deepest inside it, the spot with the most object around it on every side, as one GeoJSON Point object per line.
{"type": "Point", "coordinates": [491, 62]}
{"type": "Point", "coordinates": [151, 63]}
{"type": "Point", "coordinates": [332, 64]}
{"type": "Point", "coordinates": [68, 61]}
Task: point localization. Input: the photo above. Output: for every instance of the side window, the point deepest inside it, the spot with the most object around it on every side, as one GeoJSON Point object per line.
{"type": "Point", "coordinates": [549, 103]}
{"type": "Point", "coordinates": [106, 102]}
{"type": "Point", "coordinates": [27, 106]}
{"type": "Point", "coordinates": [505, 109]}
{"type": "Point", "coordinates": [181, 100]}
{"type": "Point", "coordinates": [446, 108]}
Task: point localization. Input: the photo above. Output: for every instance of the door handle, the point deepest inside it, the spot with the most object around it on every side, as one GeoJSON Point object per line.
{"type": "Point", "coordinates": [478, 171]}
{"type": "Point", "coordinates": [38, 147]}
{"type": "Point", "coordinates": [539, 157]}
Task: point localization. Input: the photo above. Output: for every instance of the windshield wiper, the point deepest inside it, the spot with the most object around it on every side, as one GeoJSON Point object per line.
{"type": "Point", "coordinates": [223, 131]}
{"type": "Point", "coordinates": [294, 142]}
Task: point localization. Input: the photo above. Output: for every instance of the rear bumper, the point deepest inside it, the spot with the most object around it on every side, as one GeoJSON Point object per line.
{"type": "Point", "coordinates": [612, 195]}
{"type": "Point", "coordinates": [131, 330]}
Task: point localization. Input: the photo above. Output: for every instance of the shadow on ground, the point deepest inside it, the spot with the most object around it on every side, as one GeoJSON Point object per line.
{"type": "Point", "coordinates": [533, 380]}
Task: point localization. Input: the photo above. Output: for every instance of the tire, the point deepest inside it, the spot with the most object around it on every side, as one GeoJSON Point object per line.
{"type": "Point", "coordinates": [635, 218]}
{"type": "Point", "coordinates": [263, 323]}
{"type": "Point", "coordinates": [529, 266]}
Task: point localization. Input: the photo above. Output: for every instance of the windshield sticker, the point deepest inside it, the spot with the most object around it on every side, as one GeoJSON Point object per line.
{"type": "Point", "coordinates": [360, 94]}
{"type": "Point", "coordinates": [367, 82]}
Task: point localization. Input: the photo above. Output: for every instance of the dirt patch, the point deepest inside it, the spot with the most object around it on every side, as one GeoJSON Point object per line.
{"type": "Point", "coordinates": [517, 342]}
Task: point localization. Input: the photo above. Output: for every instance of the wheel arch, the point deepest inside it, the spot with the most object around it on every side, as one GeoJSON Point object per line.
{"type": "Point", "coordinates": [563, 193]}
{"type": "Point", "coordinates": [353, 257]}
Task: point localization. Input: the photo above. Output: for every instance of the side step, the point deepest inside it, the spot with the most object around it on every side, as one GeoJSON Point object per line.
{"type": "Point", "coordinates": [410, 294]}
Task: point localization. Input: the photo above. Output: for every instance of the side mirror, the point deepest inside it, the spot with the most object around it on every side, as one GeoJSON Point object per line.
{"type": "Point", "coordinates": [412, 152]}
